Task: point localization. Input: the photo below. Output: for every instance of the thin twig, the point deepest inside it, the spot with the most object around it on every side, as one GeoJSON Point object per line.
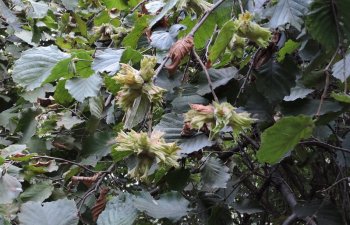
{"type": "Point", "coordinates": [207, 74]}
{"type": "Point", "coordinates": [324, 145]}
{"type": "Point", "coordinates": [241, 6]}
{"type": "Point", "coordinates": [204, 17]}
{"type": "Point", "coordinates": [337, 182]}
{"type": "Point", "coordinates": [65, 160]}
{"type": "Point", "coordinates": [241, 90]}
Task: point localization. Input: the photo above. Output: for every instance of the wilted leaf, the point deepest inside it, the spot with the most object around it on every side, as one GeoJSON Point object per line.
{"type": "Point", "coordinates": [60, 212]}
{"type": "Point", "coordinates": [283, 136]}
{"type": "Point", "coordinates": [35, 65]}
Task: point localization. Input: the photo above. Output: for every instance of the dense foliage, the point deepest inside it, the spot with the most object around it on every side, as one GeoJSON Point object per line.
{"type": "Point", "coordinates": [116, 112]}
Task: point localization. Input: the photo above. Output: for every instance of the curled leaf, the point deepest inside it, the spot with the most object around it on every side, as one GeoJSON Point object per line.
{"type": "Point", "coordinates": [178, 51]}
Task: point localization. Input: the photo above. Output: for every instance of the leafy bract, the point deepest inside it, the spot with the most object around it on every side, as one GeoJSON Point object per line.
{"type": "Point", "coordinates": [283, 136]}
{"type": "Point", "coordinates": [81, 88]}
{"type": "Point", "coordinates": [170, 205]}
{"type": "Point", "coordinates": [224, 37]}
{"type": "Point", "coordinates": [35, 65]}
{"type": "Point", "coordinates": [289, 12]}
{"type": "Point", "coordinates": [60, 212]}
{"type": "Point", "coordinates": [119, 211]}
{"type": "Point", "coordinates": [107, 60]}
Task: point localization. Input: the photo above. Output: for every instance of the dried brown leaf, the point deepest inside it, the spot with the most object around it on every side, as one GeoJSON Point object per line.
{"type": "Point", "coordinates": [178, 51]}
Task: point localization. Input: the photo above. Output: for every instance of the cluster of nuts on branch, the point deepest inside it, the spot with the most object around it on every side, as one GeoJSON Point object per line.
{"type": "Point", "coordinates": [147, 150]}
{"type": "Point", "coordinates": [216, 117]}
{"type": "Point", "coordinates": [138, 83]}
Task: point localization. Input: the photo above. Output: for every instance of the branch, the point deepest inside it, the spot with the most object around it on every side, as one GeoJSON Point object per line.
{"type": "Point", "coordinates": [65, 160]}
{"type": "Point", "coordinates": [324, 145]}
{"type": "Point", "coordinates": [206, 74]}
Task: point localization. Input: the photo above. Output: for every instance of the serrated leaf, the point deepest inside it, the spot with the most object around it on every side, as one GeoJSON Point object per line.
{"type": "Point", "coordinates": [107, 60]}
{"type": "Point", "coordinates": [68, 121]}
{"type": "Point", "coordinates": [81, 88]}
{"type": "Point", "coordinates": [289, 47]}
{"type": "Point", "coordinates": [321, 23]}
{"type": "Point", "coordinates": [297, 92]}
{"type": "Point", "coordinates": [164, 80]}
{"type": "Point", "coordinates": [39, 9]}
{"type": "Point", "coordinates": [60, 212]}
{"type": "Point", "coordinates": [289, 12]}
{"type": "Point", "coordinates": [38, 192]}
{"type": "Point", "coordinates": [170, 205]}
{"type": "Point", "coordinates": [219, 77]}
{"type": "Point", "coordinates": [341, 69]}
{"type": "Point", "coordinates": [7, 115]}
{"type": "Point", "coordinates": [70, 4]}
{"type": "Point", "coordinates": [283, 136]}
{"type": "Point", "coordinates": [154, 6]}
{"type": "Point", "coordinates": [167, 7]}
{"type": "Point", "coordinates": [26, 36]}
{"type": "Point", "coordinates": [214, 174]}
{"type": "Point", "coordinates": [163, 40]}
{"type": "Point", "coordinates": [10, 188]}
{"type": "Point", "coordinates": [35, 65]}
{"type": "Point", "coordinates": [119, 210]}
{"type": "Point", "coordinates": [341, 97]}
{"type": "Point", "coordinates": [133, 37]}
{"type": "Point", "coordinates": [62, 69]}
{"type": "Point", "coordinates": [97, 146]}
{"type": "Point", "coordinates": [40, 92]}
{"type": "Point", "coordinates": [96, 106]}
{"type": "Point", "coordinates": [119, 4]}
{"type": "Point", "coordinates": [274, 80]}
{"type": "Point", "coordinates": [223, 39]}
{"type": "Point", "coordinates": [61, 95]}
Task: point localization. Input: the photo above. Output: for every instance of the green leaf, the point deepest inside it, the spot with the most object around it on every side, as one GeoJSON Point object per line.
{"type": "Point", "coordinates": [248, 206]}
{"type": "Point", "coordinates": [96, 106]}
{"type": "Point", "coordinates": [283, 136]}
{"type": "Point", "coordinates": [70, 4]}
{"type": "Point", "coordinates": [170, 205]}
{"type": "Point", "coordinates": [132, 55]}
{"type": "Point", "coordinates": [289, 47]}
{"type": "Point", "coordinates": [35, 66]}
{"type": "Point", "coordinates": [289, 12]}
{"type": "Point", "coordinates": [214, 174]}
{"type": "Point", "coordinates": [10, 188]}
{"type": "Point", "coordinates": [171, 125]}
{"type": "Point", "coordinates": [309, 107]}
{"type": "Point", "coordinates": [40, 92]}
{"type": "Point", "coordinates": [119, 210]}
{"type": "Point", "coordinates": [297, 92]}
{"type": "Point", "coordinates": [60, 212]}
{"type": "Point", "coordinates": [107, 60]}
{"type": "Point", "coordinates": [62, 69]}
{"type": "Point", "coordinates": [204, 32]}
{"type": "Point", "coordinates": [120, 155]}
{"type": "Point", "coordinates": [321, 23]}
{"type": "Point", "coordinates": [119, 4]}
{"type": "Point", "coordinates": [341, 69]}
{"type": "Point", "coordinates": [274, 80]}
{"type": "Point", "coordinates": [61, 95]}
{"type": "Point", "coordinates": [133, 37]}
{"type": "Point", "coordinates": [341, 97]}
{"type": "Point", "coordinates": [137, 113]}
{"type": "Point", "coordinates": [223, 39]}
{"type": "Point", "coordinates": [12, 150]}
{"type": "Point", "coordinates": [7, 115]}
{"type": "Point", "coordinates": [166, 8]}
{"type": "Point", "coordinates": [218, 77]}
{"type": "Point", "coordinates": [68, 121]}
{"type": "Point", "coordinates": [97, 146]}
{"type": "Point", "coordinates": [83, 63]}
{"type": "Point", "coordinates": [6, 13]}
{"type": "Point", "coordinates": [39, 9]}
{"type": "Point", "coordinates": [38, 192]}
{"type": "Point", "coordinates": [81, 88]}
{"type": "Point", "coordinates": [81, 24]}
